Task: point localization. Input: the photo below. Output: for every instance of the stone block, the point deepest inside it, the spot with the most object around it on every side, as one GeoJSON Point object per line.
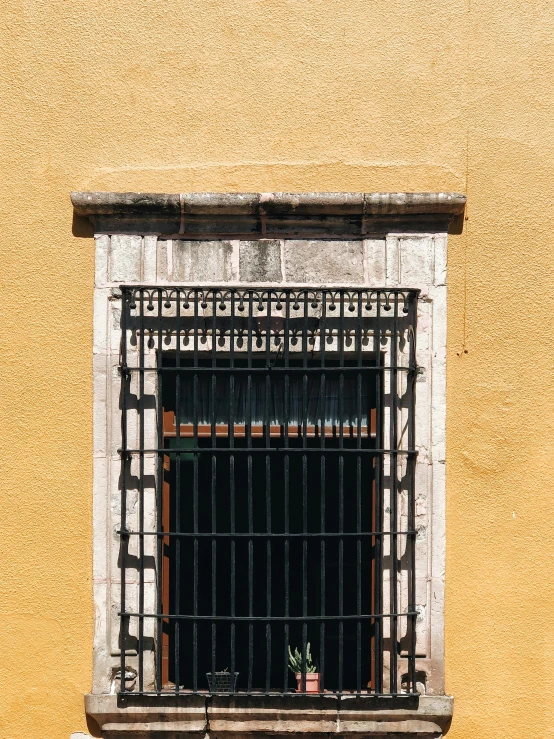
{"type": "Point", "coordinates": [318, 261]}
{"type": "Point", "coordinates": [392, 259]}
{"type": "Point", "coordinates": [197, 261]}
{"type": "Point", "coordinates": [149, 259]}
{"type": "Point", "coordinates": [260, 261]}
{"type": "Point", "coordinates": [100, 415]}
{"type": "Point", "coordinates": [416, 260]}
{"type": "Point", "coordinates": [101, 260]}
{"type": "Point", "coordinates": [101, 307]}
{"type": "Point", "coordinates": [125, 258]}
{"type": "Point", "coordinates": [440, 259]}
{"type": "Point", "coordinates": [161, 260]}
{"type": "Point", "coordinates": [100, 517]}
{"type": "Point", "coordinates": [375, 262]}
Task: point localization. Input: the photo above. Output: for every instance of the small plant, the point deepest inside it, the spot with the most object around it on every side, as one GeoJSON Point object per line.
{"type": "Point", "coordinates": [296, 663]}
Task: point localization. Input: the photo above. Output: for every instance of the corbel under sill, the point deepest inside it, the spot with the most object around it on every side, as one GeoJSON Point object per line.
{"type": "Point", "coordinates": [426, 717]}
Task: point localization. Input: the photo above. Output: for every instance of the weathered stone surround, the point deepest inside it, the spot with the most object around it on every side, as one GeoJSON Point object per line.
{"type": "Point", "coordinates": [354, 239]}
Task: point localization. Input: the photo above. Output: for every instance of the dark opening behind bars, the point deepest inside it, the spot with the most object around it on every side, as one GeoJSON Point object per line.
{"type": "Point", "coordinates": [280, 492]}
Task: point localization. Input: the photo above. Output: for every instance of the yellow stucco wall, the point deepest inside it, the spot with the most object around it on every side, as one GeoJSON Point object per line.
{"type": "Point", "coordinates": [177, 95]}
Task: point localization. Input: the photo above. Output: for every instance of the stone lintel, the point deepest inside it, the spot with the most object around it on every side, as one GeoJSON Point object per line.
{"type": "Point", "coordinates": [198, 715]}
{"type": "Point", "coordinates": [198, 215]}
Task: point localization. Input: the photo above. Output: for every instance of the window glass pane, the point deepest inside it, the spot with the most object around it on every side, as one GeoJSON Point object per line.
{"type": "Point", "coordinates": [310, 400]}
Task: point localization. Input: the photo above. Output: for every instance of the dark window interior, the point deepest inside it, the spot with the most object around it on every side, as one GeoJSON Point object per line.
{"type": "Point", "coordinates": [283, 491]}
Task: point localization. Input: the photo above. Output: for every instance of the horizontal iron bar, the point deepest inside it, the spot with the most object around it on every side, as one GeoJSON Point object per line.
{"type": "Point", "coordinates": [268, 450]}
{"type": "Point", "coordinates": [266, 619]}
{"type": "Point", "coordinates": [276, 291]}
{"type": "Point", "coordinates": [329, 693]}
{"type": "Point", "coordinates": [262, 535]}
{"type": "Point", "coordinates": [264, 370]}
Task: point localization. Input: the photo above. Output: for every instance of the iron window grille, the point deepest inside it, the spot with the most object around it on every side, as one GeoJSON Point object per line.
{"type": "Point", "coordinates": [268, 449]}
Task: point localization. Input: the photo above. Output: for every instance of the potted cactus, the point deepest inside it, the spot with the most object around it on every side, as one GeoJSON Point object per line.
{"type": "Point", "coordinates": [304, 670]}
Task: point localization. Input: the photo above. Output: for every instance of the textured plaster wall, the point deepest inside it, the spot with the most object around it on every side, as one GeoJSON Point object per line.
{"type": "Point", "coordinates": [176, 95]}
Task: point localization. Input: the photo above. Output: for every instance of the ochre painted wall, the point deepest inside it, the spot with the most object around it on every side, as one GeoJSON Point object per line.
{"type": "Point", "coordinates": [179, 95]}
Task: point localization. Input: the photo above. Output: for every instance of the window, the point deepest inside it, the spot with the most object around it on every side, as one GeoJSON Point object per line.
{"type": "Point", "coordinates": [274, 457]}
{"type": "Point", "coordinates": [267, 258]}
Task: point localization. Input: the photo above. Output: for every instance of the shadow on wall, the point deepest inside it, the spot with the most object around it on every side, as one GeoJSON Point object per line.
{"type": "Point", "coordinates": [456, 225]}
{"type": "Point", "coordinates": [81, 227]}
{"type": "Point", "coordinates": [93, 728]}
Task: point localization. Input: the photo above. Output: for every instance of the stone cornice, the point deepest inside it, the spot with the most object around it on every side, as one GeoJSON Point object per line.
{"type": "Point", "coordinates": [197, 215]}
{"type": "Point", "coordinates": [425, 717]}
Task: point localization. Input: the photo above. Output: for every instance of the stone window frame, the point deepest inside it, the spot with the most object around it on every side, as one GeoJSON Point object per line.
{"type": "Point", "coordinates": [310, 240]}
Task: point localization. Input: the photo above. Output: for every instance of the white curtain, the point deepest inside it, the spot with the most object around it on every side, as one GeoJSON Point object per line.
{"type": "Point", "coordinates": [303, 402]}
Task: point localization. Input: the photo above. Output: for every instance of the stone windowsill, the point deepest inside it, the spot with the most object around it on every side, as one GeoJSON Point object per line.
{"type": "Point", "coordinates": [424, 717]}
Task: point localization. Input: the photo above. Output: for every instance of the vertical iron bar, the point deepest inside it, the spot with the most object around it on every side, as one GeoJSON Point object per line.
{"type": "Point", "coordinates": [268, 490]}
{"type": "Point", "coordinates": [124, 540]}
{"type": "Point", "coordinates": [393, 499]}
{"type": "Point", "coordinates": [304, 486]}
{"type": "Point", "coordinates": [195, 497]}
{"type": "Point", "coordinates": [177, 539]}
{"type": "Point", "coordinates": [159, 492]}
{"type": "Point", "coordinates": [378, 523]}
{"type": "Point", "coordinates": [141, 500]}
{"type": "Point", "coordinates": [412, 461]}
{"type": "Point", "coordinates": [286, 462]}
{"type": "Point", "coordinates": [232, 474]}
{"type": "Point", "coordinates": [341, 494]}
{"type": "Point", "coordinates": [322, 525]}
{"type": "Point", "coordinates": [359, 492]}
{"type": "Point", "coordinates": [248, 422]}
{"type": "Point", "coordinates": [214, 482]}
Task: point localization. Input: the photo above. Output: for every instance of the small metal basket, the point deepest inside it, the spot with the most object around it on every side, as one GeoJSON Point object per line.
{"type": "Point", "coordinates": [222, 682]}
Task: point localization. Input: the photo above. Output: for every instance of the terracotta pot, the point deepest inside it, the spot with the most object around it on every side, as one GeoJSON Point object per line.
{"type": "Point", "coordinates": [312, 682]}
